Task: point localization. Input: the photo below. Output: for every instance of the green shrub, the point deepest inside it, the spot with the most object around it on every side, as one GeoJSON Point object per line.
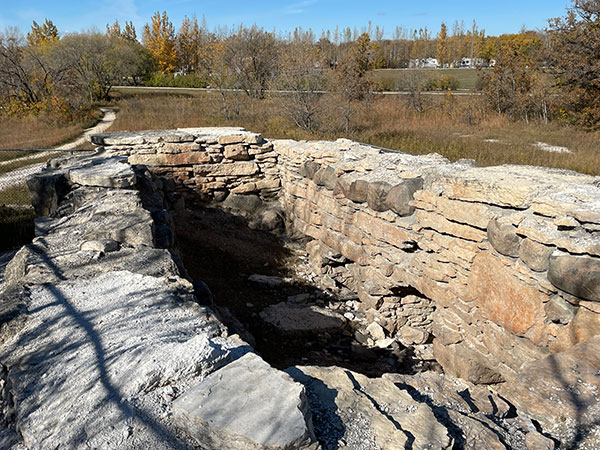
{"type": "Point", "coordinates": [191, 80]}
{"type": "Point", "coordinates": [443, 83]}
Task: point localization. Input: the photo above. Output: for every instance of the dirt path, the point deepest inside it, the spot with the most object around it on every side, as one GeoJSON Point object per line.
{"type": "Point", "coordinates": [18, 176]}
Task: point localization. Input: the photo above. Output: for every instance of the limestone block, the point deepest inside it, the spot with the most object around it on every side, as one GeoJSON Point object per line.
{"type": "Point", "coordinates": [577, 275]}
{"type": "Point", "coordinates": [246, 405]}
{"type": "Point", "coordinates": [586, 323]}
{"type": "Point", "coordinates": [103, 172]}
{"type": "Point", "coordinates": [440, 224]}
{"type": "Point", "coordinates": [413, 336]}
{"type": "Point", "coordinates": [399, 197]}
{"type": "Point", "coordinates": [469, 213]}
{"type": "Point", "coordinates": [376, 195]}
{"type": "Point", "coordinates": [558, 310]}
{"type": "Point", "coordinates": [170, 159]}
{"type": "Point", "coordinates": [503, 299]}
{"type": "Point", "coordinates": [310, 168]}
{"type": "Point", "coordinates": [326, 177]}
{"type": "Point", "coordinates": [535, 255]}
{"type": "Point", "coordinates": [459, 361]}
{"type": "Point", "coordinates": [174, 148]}
{"type": "Point", "coordinates": [220, 170]}
{"type": "Point", "coordinates": [569, 379]}
{"type": "Point", "coordinates": [503, 237]}
{"type": "Point", "coordinates": [236, 152]}
{"type": "Point", "coordinates": [349, 407]}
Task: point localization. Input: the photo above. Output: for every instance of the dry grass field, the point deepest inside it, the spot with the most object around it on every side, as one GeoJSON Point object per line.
{"type": "Point", "coordinates": [387, 122]}
{"type": "Point", "coordinates": [37, 132]}
{"type": "Point", "coordinates": [466, 78]}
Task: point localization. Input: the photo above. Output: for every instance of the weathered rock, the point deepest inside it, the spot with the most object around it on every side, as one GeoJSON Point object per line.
{"type": "Point", "coordinates": [310, 168]}
{"type": "Point", "coordinates": [266, 280]}
{"type": "Point", "coordinates": [178, 159]}
{"type": "Point", "coordinates": [376, 331]}
{"type": "Point", "coordinates": [246, 405]}
{"type": "Point", "coordinates": [503, 237]}
{"type": "Point", "coordinates": [459, 361]}
{"type": "Point", "coordinates": [104, 172]}
{"type": "Point", "coordinates": [586, 322]}
{"type": "Point", "coordinates": [535, 255]}
{"type": "Point", "coordinates": [399, 196]}
{"type": "Point", "coordinates": [106, 348]}
{"type": "Point", "coordinates": [470, 412]}
{"type": "Point", "coordinates": [537, 441]}
{"type": "Point", "coordinates": [100, 245]}
{"type": "Point", "coordinates": [413, 336]}
{"type": "Point", "coordinates": [248, 203]}
{"type": "Point", "coordinates": [561, 392]}
{"type": "Point", "coordinates": [376, 195]}
{"type": "Point", "coordinates": [577, 275]}
{"type": "Point", "coordinates": [516, 306]}
{"type": "Point", "coordinates": [325, 176]}
{"type": "Point", "coordinates": [558, 310]}
{"type": "Point", "coordinates": [236, 152]}
{"type": "Point", "coordinates": [302, 319]}
{"type": "Point", "coordinates": [353, 411]}
{"type": "Point", "coordinates": [46, 191]}
{"type": "Point", "coordinates": [358, 191]}
{"type": "Point", "coordinates": [223, 170]}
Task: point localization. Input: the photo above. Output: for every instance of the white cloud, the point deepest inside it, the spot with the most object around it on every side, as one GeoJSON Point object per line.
{"type": "Point", "coordinates": [299, 7]}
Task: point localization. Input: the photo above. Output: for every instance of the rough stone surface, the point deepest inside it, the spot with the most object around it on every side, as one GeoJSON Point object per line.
{"type": "Point", "coordinates": [535, 255]}
{"type": "Point", "coordinates": [299, 319]}
{"type": "Point", "coordinates": [111, 172]}
{"type": "Point", "coordinates": [246, 405]}
{"type": "Point", "coordinates": [561, 393]}
{"type": "Point", "coordinates": [400, 196]}
{"type": "Point", "coordinates": [107, 347]}
{"type": "Point", "coordinates": [353, 411]}
{"type": "Point", "coordinates": [377, 195]}
{"type": "Point", "coordinates": [503, 237]}
{"type": "Point", "coordinates": [577, 275]}
{"type": "Point", "coordinates": [459, 361]}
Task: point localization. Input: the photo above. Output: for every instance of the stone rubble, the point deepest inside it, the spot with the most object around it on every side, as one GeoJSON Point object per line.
{"type": "Point", "coordinates": [100, 331]}
{"type": "Point", "coordinates": [492, 271]}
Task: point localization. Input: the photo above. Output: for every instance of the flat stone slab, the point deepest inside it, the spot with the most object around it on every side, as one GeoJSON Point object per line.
{"type": "Point", "coordinates": [96, 362]}
{"type": "Point", "coordinates": [104, 172]}
{"type": "Point", "coordinates": [300, 319]}
{"type": "Point", "coordinates": [562, 392]}
{"type": "Point", "coordinates": [246, 405]}
{"type": "Point", "coordinates": [354, 411]}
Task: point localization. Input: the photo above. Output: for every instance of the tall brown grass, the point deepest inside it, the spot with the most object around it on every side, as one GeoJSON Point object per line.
{"type": "Point", "coordinates": [455, 127]}
{"type": "Point", "coordinates": [37, 132]}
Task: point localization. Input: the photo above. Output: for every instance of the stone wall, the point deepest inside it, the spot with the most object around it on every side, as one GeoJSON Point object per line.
{"type": "Point", "coordinates": [489, 268]}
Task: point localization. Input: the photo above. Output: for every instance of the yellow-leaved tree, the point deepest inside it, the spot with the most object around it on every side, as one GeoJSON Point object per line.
{"type": "Point", "coordinates": [159, 39]}
{"type": "Point", "coordinates": [44, 33]}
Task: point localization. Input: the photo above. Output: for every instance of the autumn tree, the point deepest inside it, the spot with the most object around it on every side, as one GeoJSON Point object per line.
{"type": "Point", "coordinates": [187, 45]}
{"type": "Point", "coordinates": [350, 81]}
{"type": "Point", "coordinates": [41, 34]}
{"type": "Point", "coordinates": [216, 60]}
{"type": "Point", "coordinates": [301, 75]}
{"type": "Point", "coordinates": [127, 33]}
{"type": "Point", "coordinates": [254, 57]}
{"type": "Point", "coordinates": [516, 84]}
{"type": "Point", "coordinates": [573, 59]}
{"type": "Point", "coordinates": [32, 78]}
{"type": "Point", "coordinates": [442, 50]}
{"type": "Point", "coordinates": [159, 39]}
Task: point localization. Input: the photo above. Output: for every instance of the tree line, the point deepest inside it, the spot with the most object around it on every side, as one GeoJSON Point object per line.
{"type": "Point", "coordinates": [538, 75]}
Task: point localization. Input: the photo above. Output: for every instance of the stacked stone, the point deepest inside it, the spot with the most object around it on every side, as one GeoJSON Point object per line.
{"type": "Point", "coordinates": [505, 258]}
{"type": "Point", "coordinates": [206, 164]}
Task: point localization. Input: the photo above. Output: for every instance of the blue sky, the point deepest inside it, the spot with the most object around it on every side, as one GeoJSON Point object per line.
{"type": "Point", "coordinates": [496, 17]}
